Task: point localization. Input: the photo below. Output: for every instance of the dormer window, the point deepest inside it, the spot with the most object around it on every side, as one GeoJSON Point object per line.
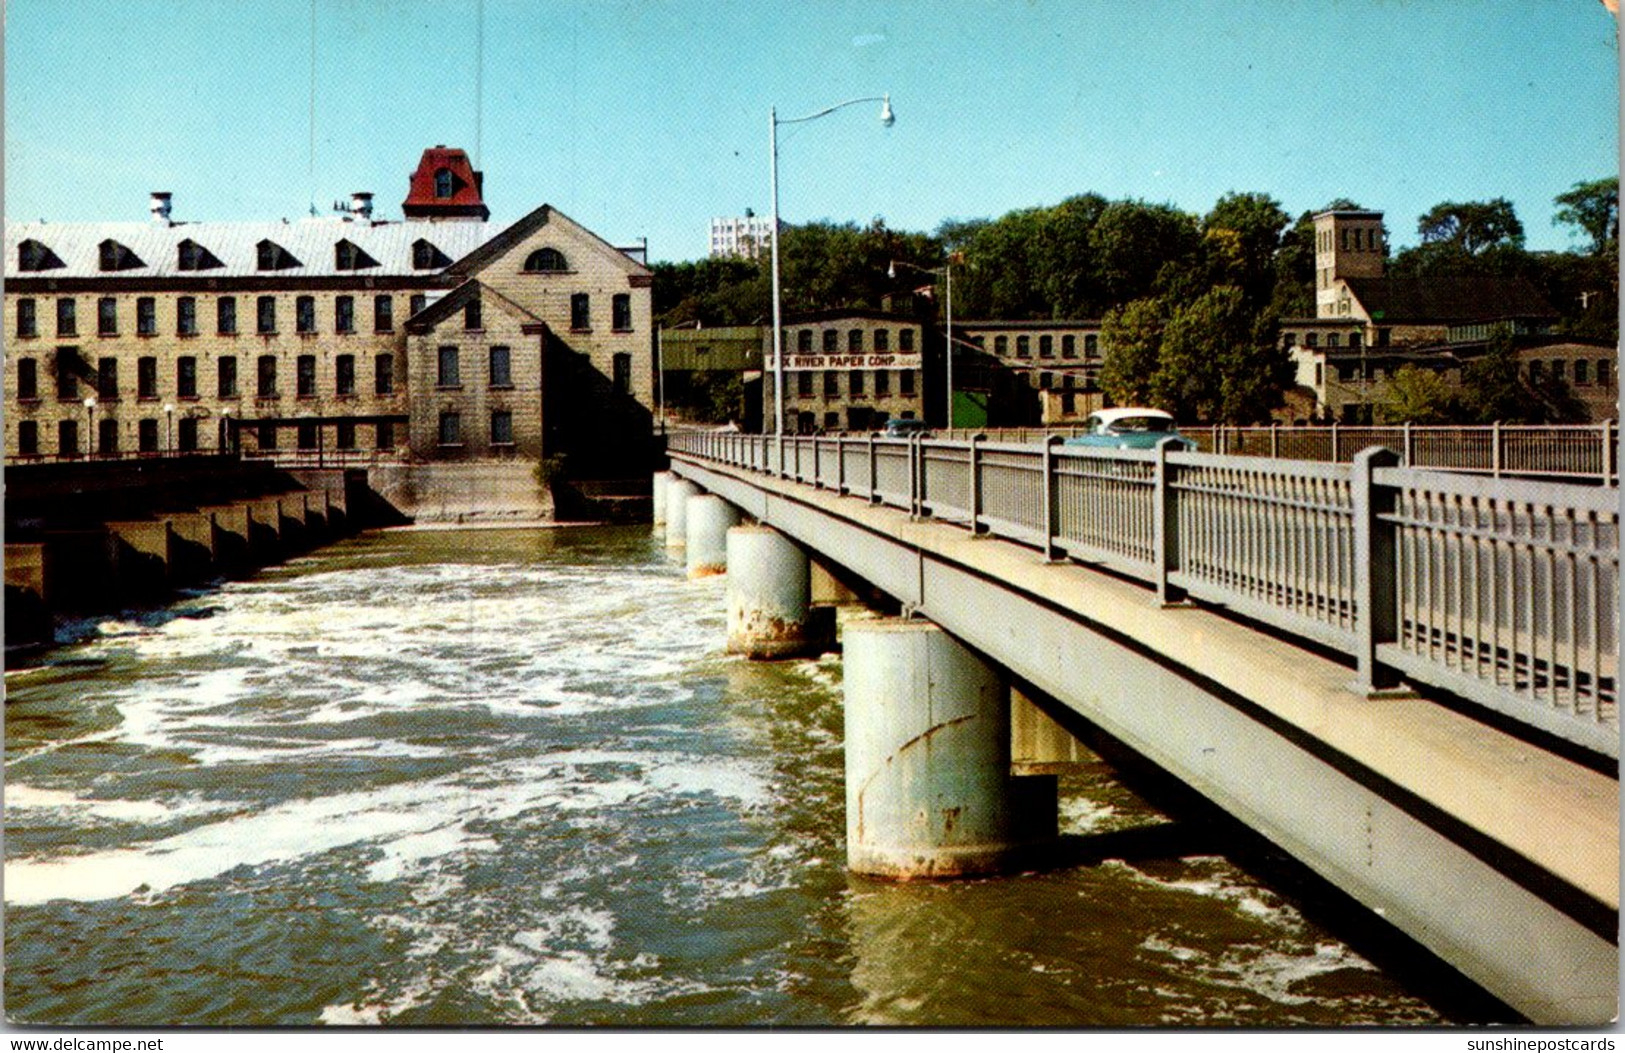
{"type": "Point", "coordinates": [36, 256]}
{"type": "Point", "coordinates": [190, 256]}
{"type": "Point", "coordinates": [347, 256]}
{"type": "Point", "coordinates": [426, 257]}
{"type": "Point", "coordinates": [442, 182]}
{"type": "Point", "coordinates": [117, 257]}
{"type": "Point", "coordinates": [544, 260]}
{"type": "Point", "coordinates": [273, 257]}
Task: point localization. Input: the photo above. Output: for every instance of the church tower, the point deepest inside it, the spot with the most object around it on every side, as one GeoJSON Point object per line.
{"type": "Point", "coordinates": [1347, 245]}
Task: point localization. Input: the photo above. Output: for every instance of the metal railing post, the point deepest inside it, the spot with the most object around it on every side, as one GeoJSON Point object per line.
{"type": "Point", "coordinates": [1376, 569]}
{"type": "Point", "coordinates": [840, 465]}
{"type": "Point", "coordinates": [1165, 525]}
{"type": "Point", "coordinates": [1604, 431]}
{"type": "Point", "coordinates": [874, 485]}
{"type": "Point", "coordinates": [1495, 449]}
{"type": "Point", "coordinates": [1051, 486]}
{"type": "Point", "coordinates": [1275, 439]}
{"type": "Point", "coordinates": [1335, 450]}
{"type": "Point", "coordinates": [975, 491]}
{"type": "Point", "coordinates": [1410, 449]}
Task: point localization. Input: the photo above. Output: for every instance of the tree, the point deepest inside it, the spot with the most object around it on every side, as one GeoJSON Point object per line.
{"type": "Point", "coordinates": [1220, 361]}
{"type": "Point", "coordinates": [1131, 339]}
{"type": "Point", "coordinates": [1594, 208]}
{"type": "Point", "coordinates": [1242, 235]}
{"type": "Point", "coordinates": [1420, 396]}
{"type": "Point", "coordinates": [1132, 241]}
{"type": "Point", "coordinates": [1471, 226]}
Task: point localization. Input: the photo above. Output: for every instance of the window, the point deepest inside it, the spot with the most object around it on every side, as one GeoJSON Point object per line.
{"type": "Point", "coordinates": [383, 313]}
{"type": "Point", "coordinates": [344, 314]}
{"type": "Point", "coordinates": [1311, 340]}
{"type": "Point", "coordinates": [186, 377]}
{"type": "Point", "coordinates": [905, 340]}
{"type": "Point", "coordinates": [27, 378]}
{"type": "Point", "coordinates": [107, 378]}
{"type": "Point", "coordinates": [35, 256]}
{"type": "Point", "coordinates": [273, 257]}
{"type": "Point", "coordinates": [418, 302]}
{"type": "Point", "coordinates": [426, 256]}
{"type": "Point", "coordinates": [854, 341]}
{"type": "Point", "coordinates": [501, 374]}
{"type": "Point", "coordinates": [27, 323]}
{"type": "Point", "coordinates": [448, 375]}
{"type": "Point", "coordinates": [186, 437]}
{"type": "Point", "coordinates": [501, 427]}
{"type": "Point", "coordinates": [67, 379]}
{"type": "Point", "coordinates": [1001, 346]}
{"type": "Point", "coordinates": [146, 378]}
{"type": "Point", "coordinates": [1581, 371]}
{"type": "Point", "coordinates": [385, 432]}
{"type": "Point", "coordinates": [267, 314]}
{"type": "Point", "coordinates": [304, 314]}
{"type": "Point", "coordinates": [186, 315]}
{"type": "Point", "coordinates": [65, 323]}
{"type": "Point", "coordinates": [383, 374]}
{"type": "Point", "coordinates": [832, 421]}
{"type": "Point", "coordinates": [146, 316]}
{"type": "Point", "coordinates": [347, 256]}
{"type": "Point", "coordinates": [1069, 403]}
{"type": "Point", "coordinates": [344, 374]}
{"type": "Point", "coordinates": [67, 438]}
{"type": "Point", "coordinates": [1046, 346]}
{"type": "Point", "coordinates": [1333, 340]}
{"type": "Point", "coordinates": [345, 439]}
{"type": "Point", "coordinates": [1091, 345]}
{"type": "Point", "coordinates": [544, 260]}
{"type": "Point", "coordinates": [882, 339]}
{"type": "Point", "coordinates": [804, 341]}
{"type": "Point", "coordinates": [1356, 339]}
{"type": "Point", "coordinates": [832, 384]}
{"type": "Point", "coordinates": [190, 256]}
{"type": "Point", "coordinates": [305, 376]}
{"type": "Point", "coordinates": [307, 436]}
{"type": "Point", "coordinates": [107, 436]}
{"type": "Point", "coordinates": [580, 311]}
{"type": "Point", "coordinates": [267, 378]}
{"type": "Point", "coordinates": [905, 382]}
{"type": "Point", "coordinates": [27, 438]}
{"type": "Point", "coordinates": [442, 182]}
{"type": "Point", "coordinates": [804, 384]}
{"type": "Point", "coordinates": [1605, 370]}
{"type": "Point", "coordinates": [854, 383]}
{"type": "Point", "coordinates": [883, 382]}
{"type": "Point", "coordinates": [451, 428]}
{"type": "Point", "coordinates": [620, 312]}
{"type": "Point", "coordinates": [621, 367]}
{"type": "Point", "coordinates": [107, 316]}
{"type": "Point", "coordinates": [146, 435]}
{"type": "Point", "coordinates": [471, 315]}
{"type": "Point", "coordinates": [1069, 345]}
{"type": "Point", "coordinates": [1558, 368]}
{"type": "Point", "coordinates": [832, 341]}
{"type": "Point", "coordinates": [225, 313]}
{"type": "Point", "coordinates": [1024, 347]}
{"type": "Point", "coordinates": [116, 257]}
{"type": "Point", "coordinates": [226, 376]}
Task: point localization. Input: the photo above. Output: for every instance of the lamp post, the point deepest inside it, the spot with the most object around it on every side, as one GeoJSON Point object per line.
{"type": "Point", "coordinates": [90, 426]}
{"type": "Point", "coordinates": [947, 271]}
{"type": "Point", "coordinates": [887, 119]}
{"type": "Point", "coordinates": [225, 430]}
{"type": "Point", "coordinates": [169, 429]}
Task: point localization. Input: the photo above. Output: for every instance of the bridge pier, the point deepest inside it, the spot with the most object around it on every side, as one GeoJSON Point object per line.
{"type": "Point", "coordinates": [678, 491]}
{"type": "Point", "coordinates": [929, 792]}
{"type": "Point", "coordinates": [768, 594]}
{"type": "Point", "coordinates": [662, 481]}
{"type": "Point", "coordinates": [709, 519]}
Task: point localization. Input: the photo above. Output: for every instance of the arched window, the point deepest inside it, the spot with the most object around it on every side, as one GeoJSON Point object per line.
{"type": "Point", "coordinates": [117, 257]}
{"type": "Point", "coordinates": [273, 257]}
{"type": "Point", "coordinates": [548, 259]}
{"type": "Point", "coordinates": [190, 256]}
{"type": "Point", "coordinates": [442, 182]}
{"type": "Point", "coordinates": [348, 256]}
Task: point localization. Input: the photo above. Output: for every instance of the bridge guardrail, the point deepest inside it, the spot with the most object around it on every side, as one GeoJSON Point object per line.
{"type": "Point", "coordinates": [1501, 591]}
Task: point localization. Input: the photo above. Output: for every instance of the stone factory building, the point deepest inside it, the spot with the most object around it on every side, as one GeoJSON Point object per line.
{"type": "Point", "coordinates": [1057, 363]}
{"type": "Point", "coordinates": [440, 338]}
{"type": "Point", "coordinates": [848, 370]}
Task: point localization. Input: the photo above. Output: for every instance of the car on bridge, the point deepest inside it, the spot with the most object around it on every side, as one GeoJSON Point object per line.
{"type": "Point", "coordinates": [903, 427]}
{"type": "Point", "coordinates": [1129, 428]}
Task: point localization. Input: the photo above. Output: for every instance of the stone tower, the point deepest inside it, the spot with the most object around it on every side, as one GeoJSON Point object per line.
{"type": "Point", "coordinates": [1347, 245]}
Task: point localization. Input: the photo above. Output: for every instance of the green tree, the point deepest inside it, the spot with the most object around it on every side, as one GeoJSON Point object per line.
{"type": "Point", "coordinates": [1132, 241]}
{"type": "Point", "coordinates": [1242, 235]}
{"type": "Point", "coordinates": [1471, 226]}
{"type": "Point", "coordinates": [1131, 340]}
{"type": "Point", "coordinates": [1594, 208]}
{"type": "Point", "coordinates": [1221, 361]}
{"type": "Point", "coordinates": [1420, 396]}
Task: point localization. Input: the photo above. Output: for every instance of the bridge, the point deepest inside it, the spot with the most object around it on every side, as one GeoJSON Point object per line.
{"type": "Point", "coordinates": [1405, 679]}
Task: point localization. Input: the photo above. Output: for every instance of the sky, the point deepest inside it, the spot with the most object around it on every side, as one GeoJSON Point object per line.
{"type": "Point", "coordinates": [645, 118]}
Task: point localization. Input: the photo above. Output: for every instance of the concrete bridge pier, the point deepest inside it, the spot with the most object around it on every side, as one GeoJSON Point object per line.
{"type": "Point", "coordinates": [709, 520]}
{"type": "Point", "coordinates": [678, 491]}
{"type": "Point", "coordinates": [28, 595]}
{"type": "Point", "coordinates": [929, 793]}
{"type": "Point", "coordinates": [232, 529]}
{"type": "Point", "coordinates": [192, 546]}
{"type": "Point", "coordinates": [141, 553]}
{"type": "Point", "coordinates": [662, 481]}
{"type": "Point", "coordinates": [768, 596]}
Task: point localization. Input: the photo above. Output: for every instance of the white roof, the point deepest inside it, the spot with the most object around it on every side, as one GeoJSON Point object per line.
{"type": "Point", "coordinates": [236, 245]}
{"type": "Point", "coordinates": [1107, 416]}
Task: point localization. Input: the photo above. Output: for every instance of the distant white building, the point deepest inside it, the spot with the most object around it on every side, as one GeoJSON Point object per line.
{"type": "Point", "coordinates": [747, 236]}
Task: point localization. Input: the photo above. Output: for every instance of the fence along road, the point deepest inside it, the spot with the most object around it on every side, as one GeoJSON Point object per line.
{"type": "Point", "coordinates": [1503, 591]}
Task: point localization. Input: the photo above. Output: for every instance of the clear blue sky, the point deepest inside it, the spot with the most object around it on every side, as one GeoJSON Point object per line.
{"type": "Point", "coordinates": [644, 118]}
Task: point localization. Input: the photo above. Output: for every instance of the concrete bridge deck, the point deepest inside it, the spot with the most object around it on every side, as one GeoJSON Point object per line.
{"type": "Point", "coordinates": [1498, 855]}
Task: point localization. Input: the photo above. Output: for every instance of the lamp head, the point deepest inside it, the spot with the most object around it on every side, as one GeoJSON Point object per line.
{"type": "Point", "coordinates": [891, 269]}
{"type": "Point", "coordinates": [90, 403]}
{"type": "Point", "coordinates": [887, 118]}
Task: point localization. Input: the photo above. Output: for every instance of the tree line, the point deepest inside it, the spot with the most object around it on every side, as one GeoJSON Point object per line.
{"type": "Point", "coordinates": [1190, 303]}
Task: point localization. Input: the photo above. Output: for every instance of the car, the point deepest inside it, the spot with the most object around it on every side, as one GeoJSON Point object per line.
{"type": "Point", "coordinates": [903, 427]}
{"type": "Point", "coordinates": [1129, 428]}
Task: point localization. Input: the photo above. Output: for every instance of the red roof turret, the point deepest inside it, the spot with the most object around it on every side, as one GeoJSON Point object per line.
{"type": "Point", "coordinates": [445, 186]}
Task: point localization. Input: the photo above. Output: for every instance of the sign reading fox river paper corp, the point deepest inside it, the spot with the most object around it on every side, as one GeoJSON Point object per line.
{"type": "Point", "coordinates": [859, 361]}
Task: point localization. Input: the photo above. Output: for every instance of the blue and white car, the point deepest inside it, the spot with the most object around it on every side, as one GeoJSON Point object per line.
{"type": "Point", "coordinates": [1129, 428]}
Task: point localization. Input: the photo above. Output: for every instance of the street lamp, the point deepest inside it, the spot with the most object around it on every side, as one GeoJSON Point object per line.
{"type": "Point", "coordinates": [90, 426]}
{"type": "Point", "coordinates": [169, 429]}
{"type": "Point", "coordinates": [887, 119]}
{"type": "Point", "coordinates": [225, 430]}
{"type": "Point", "coordinates": [947, 270]}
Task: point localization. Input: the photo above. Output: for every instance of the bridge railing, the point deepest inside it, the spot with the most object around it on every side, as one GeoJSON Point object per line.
{"type": "Point", "coordinates": [1502, 592]}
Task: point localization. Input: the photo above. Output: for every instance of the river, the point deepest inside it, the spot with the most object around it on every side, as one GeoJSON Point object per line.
{"type": "Point", "coordinates": [509, 777]}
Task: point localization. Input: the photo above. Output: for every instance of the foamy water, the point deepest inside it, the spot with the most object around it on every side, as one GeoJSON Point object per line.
{"type": "Point", "coordinates": [509, 777]}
